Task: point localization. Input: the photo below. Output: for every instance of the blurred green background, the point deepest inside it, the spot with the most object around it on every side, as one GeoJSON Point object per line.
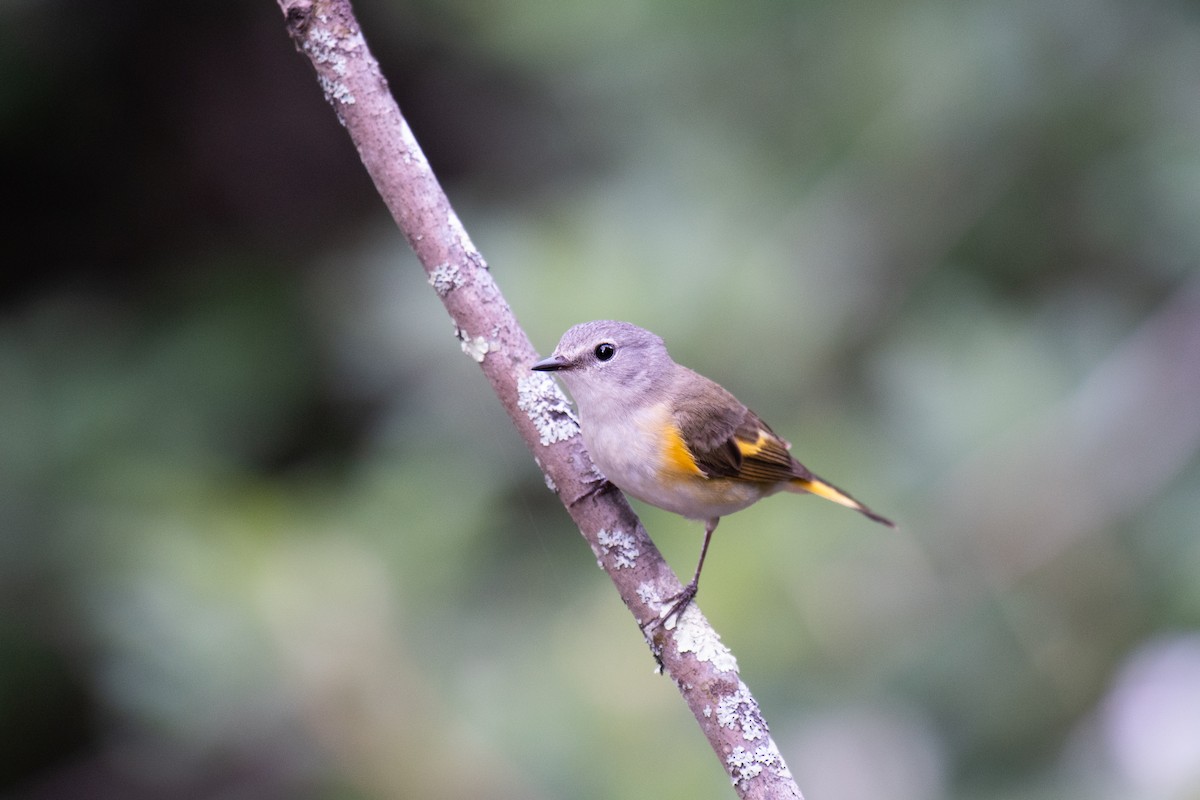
{"type": "Point", "coordinates": [264, 532]}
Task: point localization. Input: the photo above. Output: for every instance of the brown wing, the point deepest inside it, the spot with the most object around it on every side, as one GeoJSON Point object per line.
{"type": "Point", "coordinates": [765, 456]}
{"type": "Point", "coordinates": [728, 440]}
{"type": "Point", "coordinates": [708, 417]}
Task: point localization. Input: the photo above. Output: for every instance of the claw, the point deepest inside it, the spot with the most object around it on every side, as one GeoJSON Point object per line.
{"type": "Point", "coordinates": [595, 486]}
{"type": "Point", "coordinates": [673, 606]}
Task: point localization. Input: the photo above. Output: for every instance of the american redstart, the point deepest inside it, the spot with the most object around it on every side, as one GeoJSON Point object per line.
{"type": "Point", "coordinates": [673, 438]}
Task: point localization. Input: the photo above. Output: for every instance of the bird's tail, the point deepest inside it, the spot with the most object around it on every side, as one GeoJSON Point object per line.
{"type": "Point", "coordinates": [820, 488]}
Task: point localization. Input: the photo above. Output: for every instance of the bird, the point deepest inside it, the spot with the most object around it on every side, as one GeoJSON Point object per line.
{"type": "Point", "coordinates": [673, 438]}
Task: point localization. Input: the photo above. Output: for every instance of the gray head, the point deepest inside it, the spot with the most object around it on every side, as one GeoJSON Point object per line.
{"type": "Point", "coordinates": [609, 365]}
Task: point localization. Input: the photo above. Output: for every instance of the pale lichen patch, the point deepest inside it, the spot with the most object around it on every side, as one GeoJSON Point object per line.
{"type": "Point", "coordinates": [620, 545]}
{"type": "Point", "coordinates": [694, 635]}
{"type": "Point", "coordinates": [445, 278]}
{"type": "Point", "coordinates": [328, 49]}
{"type": "Point", "coordinates": [476, 347]}
{"type": "Point", "coordinates": [547, 408]}
{"type": "Point", "coordinates": [745, 765]}
{"type": "Point", "coordinates": [739, 710]}
{"type": "Point", "coordinates": [742, 765]}
{"type": "Point", "coordinates": [648, 594]}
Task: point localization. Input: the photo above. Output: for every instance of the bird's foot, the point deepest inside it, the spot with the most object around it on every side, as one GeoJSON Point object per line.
{"type": "Point", "coordinates": [673, 606]}
{"type": "Point", "coordinates": [595, 485]}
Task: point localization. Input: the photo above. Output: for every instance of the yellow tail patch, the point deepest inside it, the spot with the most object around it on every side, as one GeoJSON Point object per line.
{"type": "Point", "coordinates": [822, 489]}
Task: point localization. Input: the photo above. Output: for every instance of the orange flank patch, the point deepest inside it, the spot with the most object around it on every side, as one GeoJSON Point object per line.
{"type": "Point", "coordinates": [676, 453]}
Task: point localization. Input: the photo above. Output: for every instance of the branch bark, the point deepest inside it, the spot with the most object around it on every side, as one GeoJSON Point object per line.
{"type": "Point", "coordinates": [690, 652]}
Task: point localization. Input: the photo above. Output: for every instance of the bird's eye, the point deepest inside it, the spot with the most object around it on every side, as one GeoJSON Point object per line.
{"type": "Point", "coordinates": [605, 351]}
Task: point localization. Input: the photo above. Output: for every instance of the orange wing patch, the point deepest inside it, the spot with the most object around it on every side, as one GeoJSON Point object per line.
{"type": "Point", "coordinates": [750, 449]}
{"type": "Point", "coordinates": [765, 458]}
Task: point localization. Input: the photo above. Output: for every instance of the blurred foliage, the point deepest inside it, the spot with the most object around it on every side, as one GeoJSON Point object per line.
{"type": "Point", "coordinates": [264, 532]}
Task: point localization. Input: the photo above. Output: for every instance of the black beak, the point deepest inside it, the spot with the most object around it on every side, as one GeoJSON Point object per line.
{"type": "Point", "coordinates": [551, 364]}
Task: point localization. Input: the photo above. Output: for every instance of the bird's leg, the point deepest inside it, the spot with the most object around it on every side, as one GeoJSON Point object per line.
{"type": "Point", "coordinates": [680, 601]}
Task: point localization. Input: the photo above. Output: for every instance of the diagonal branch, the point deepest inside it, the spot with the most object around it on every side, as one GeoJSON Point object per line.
{"type": "Point", "coordinates": [691, 653]}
